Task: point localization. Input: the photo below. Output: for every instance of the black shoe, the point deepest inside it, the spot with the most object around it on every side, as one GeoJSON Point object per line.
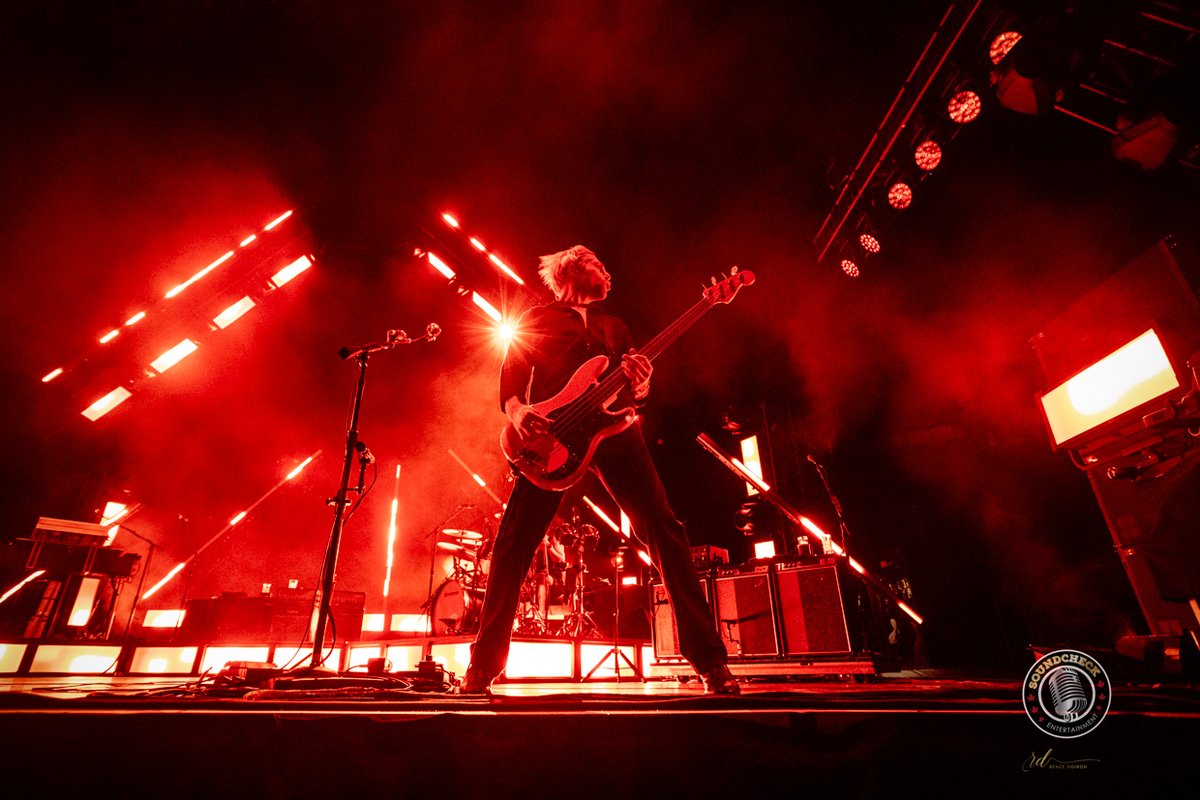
{"type": "Point", "coordinates": [719, 680]}
{"type": "Point", "coordinates": [474, 682]}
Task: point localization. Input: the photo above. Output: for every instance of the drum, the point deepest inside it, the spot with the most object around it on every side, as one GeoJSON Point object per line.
{"type": "Point", "coordinates": [455, 610]}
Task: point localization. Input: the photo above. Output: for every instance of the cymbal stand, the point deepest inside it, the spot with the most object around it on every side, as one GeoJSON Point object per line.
{"type": "Point", "coordinates": [579, 623]}
{"type": "Point", "coordinates": [618, 655]}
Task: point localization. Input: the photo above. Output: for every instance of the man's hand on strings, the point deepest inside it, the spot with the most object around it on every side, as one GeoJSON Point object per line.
{"type": "Point", "coordinates": [638, 369]}
{"type": "Point", "coordinates": [527, 421]}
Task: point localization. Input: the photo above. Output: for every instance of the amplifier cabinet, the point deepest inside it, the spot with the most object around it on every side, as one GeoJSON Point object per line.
{"type": "Point", "coordinates": [812, 613]}
{"type": "Point", "coordinates": [664, 629]}
{"type": "Point", "coordinates": [745, 612]}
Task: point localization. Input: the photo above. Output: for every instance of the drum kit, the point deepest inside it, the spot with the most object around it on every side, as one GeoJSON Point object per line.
{"type": "Point", "coordinates": [554, 595]}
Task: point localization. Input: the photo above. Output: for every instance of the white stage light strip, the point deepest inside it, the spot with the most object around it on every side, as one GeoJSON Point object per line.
{"type": "Point", "coordinates": [475, 476]}
{"type": "Point", "coordinates": [107, 403]}
{"type": "Point", "coordinates": [236, 519]}
{"type": "Point", "coordinates": [391, 539]}
{"type": "Point", "coordinates": [498, 262]}
{"type": "Point", "coordinates": [31, 577]}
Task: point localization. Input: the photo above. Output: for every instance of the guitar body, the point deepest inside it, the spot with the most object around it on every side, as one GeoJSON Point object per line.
{"type": "Point", "coordinates": [579, 416]}
{"type": "Point", "coordinates": [556, 462]}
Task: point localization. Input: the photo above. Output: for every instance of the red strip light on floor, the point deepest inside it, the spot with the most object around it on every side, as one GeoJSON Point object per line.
{"type": "Point", "coordinates": [52, 374]}
{"type": "Point", "coordinates": [173, 356]}
{"type": "Point", "coordinates": [290, 271]}
{"type": "Point", "coordinates": [175, 291]}
{"type": "Point", "coordinates": [1133, 374]}
{"type": "Point", "coordinates": [233, 313]}
{"type": "Point", "coordinates": [107, 403]}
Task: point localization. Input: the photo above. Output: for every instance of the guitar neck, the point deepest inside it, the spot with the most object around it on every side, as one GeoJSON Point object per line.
{"type": "Point", "coordinates": [655, 347]}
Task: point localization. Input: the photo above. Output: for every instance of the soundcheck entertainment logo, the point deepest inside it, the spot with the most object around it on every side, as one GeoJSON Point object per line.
{"type": "Point", "coordinates": [1066, 693]}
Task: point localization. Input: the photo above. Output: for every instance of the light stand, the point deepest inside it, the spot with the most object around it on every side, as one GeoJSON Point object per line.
{"type": "Point", "coordinates": [353, 446]}
{"type": "Point", "coordinates": [615, 651]}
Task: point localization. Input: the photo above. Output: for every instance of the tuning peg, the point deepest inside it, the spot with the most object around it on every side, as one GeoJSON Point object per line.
{"type": "Point", "coordinates": [714, 280]}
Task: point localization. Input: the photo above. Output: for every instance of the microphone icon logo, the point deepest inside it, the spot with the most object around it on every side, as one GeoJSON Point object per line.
{"type": "Point", "coordinates": [1066, 693]}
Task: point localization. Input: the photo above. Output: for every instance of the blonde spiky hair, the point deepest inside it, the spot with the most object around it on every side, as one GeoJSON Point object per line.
{"type": "Point", "coordinates": [553, 268]}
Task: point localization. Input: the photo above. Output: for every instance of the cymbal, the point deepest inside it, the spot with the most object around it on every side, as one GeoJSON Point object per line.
{"type": "Point", "coordinates": [459, 535]}
{"type": "Point", "coordinates": [458, 550]}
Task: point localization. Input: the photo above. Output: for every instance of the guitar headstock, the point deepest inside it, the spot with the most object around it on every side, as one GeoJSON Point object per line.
{"type": "Point", "coordinates": [723, 291]}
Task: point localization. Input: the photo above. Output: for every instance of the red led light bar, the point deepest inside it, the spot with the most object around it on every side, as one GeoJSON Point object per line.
{"type": "Point", "coordinates": [107, 403]}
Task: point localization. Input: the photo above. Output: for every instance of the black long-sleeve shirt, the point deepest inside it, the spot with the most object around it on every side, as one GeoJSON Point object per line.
{"type": "Point", "coordinates": [551, 342]}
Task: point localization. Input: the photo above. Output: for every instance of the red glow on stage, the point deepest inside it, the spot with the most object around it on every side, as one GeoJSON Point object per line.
{"type": "Point", "coordinates": [113, 513]}
{"type": "Point", "coordinates": [478, 245]}
{"type": "Point", "coordinates": [599, 512]}
{"type": "Point", "coordinates": [928, 155]}
{"type": "Point", "coordinates": [749, 475]}
{"type": "Point", "coordinates": [964, 107]}
{"type": "Point", "coordinates": [52, 374]}
{"type": "Point", "coordinates": [290, 271]}
{"type": "Point", "coordinates": [175, 291]}
{"type": "Point", "coordinates": [238, 517]}
{"type": "Point", "coordinates": [173, 356]}
{"type": "Point", "coordinates": [440, 266]}
{"type": "Point", "coordinates": [107, 403]}
{"type": "Point", "coordinates": [135, 319]}
{"type": "Point", "coordinates": [108, 337]}
{"type": "Point", "coordinates": [233, 313]}
{"type": "Point", "coordinates": [900, 195]}
{"type": "Point", "coordinates": [247, 240]}
{"type": "Point", "coordinates": [752, 460]}
{"type": "Point", "coordinates": [451, 221]}
{"type": "Point", "coordinates": [917, 618]}
{"type": "Point", "coordinates": [1002, 44]}
{"type": "Point", "coordinates": [487, 307]}
{"type": "Point", "coordinates": [850, 268]}
{"type": "Point", "coordinates": [505, 332]}
{"type": "Point", "coordinates": [275, 222]}
{"type": "Point", "coordinates": [869, 243]}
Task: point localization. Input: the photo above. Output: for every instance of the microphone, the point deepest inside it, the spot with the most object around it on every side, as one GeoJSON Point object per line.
{"type": "Point", "coordinates": [433, 330]}
{"type": "Point", "coordinates": [364, 453]}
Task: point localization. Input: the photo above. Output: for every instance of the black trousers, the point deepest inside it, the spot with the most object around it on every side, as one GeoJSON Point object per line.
{"type": "Point", "coordinates": [626, 470]}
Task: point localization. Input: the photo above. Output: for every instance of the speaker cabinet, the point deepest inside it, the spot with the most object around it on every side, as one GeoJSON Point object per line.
{"type": "Point", "coordinates": [663, 628]}
{"type": "Point", "coordinates": [812, 613]}
{"type": "Point", "coordinates": [745, 612]}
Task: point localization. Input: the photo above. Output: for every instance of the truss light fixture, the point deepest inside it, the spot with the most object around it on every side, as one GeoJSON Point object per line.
{"type": "Point", "coordinates": [233, 313]}
{"type": "Point", "coordinates": [173, 356]}
{"type": "Point", "coordinates": [964, 107]}
{"type": "Point", "coordinates": [107, 403]}
{"type": "Point", "coordinates": [900, 195]}
{"type": "Point", "coordinates": [928, 155]}
{"type": "Point", "coordinates": [291, 271]}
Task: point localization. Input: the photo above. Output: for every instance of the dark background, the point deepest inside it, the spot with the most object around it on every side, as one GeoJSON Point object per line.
{"type": "Point", "coordinates": [674, 139]}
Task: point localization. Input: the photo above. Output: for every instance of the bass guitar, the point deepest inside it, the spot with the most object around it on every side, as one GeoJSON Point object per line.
{"type": "Point", "coordinates": [579, 413]}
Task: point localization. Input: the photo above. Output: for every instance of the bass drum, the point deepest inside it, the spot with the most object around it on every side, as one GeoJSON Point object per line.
{"type": "Point", "coordinates": [455, 610]}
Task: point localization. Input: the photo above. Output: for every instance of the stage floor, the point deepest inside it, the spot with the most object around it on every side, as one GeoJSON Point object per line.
{"type": "Point", "coordinates": [897, 732]}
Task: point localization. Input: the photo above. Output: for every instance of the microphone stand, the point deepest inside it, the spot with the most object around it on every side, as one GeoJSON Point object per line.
{"type": "Point", "coordinates": [843, 528]}
{"type": "Point", "coordinates": [145, 567]}
{"type": "Point", "coordinates": [325, 591]}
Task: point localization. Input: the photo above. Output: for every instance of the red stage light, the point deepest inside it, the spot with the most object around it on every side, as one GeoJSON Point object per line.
{"type": "Point", "coordinates": [487, 307]}
{"type": "Point", "coordinates": [52, 374]}
{"type": "Point", "coordinates": [964, 107]}
{"type": "Point", "coordinates": [173, 356]}
{"type": "Point", "coordinates": [451, 221]}
{"type": "Point", "coordinates": [505, 268]}
{"type": "Point", "coordinates": [108, 337]}
{"type": "Point", "coordinates": [107, 403]}
{"type": "Point", "coordinates": [238, 517]}
{"type": "Point", "coordinates": [928, 155]}
{"type": "Point", "coordinates": [299, 468]}
{"type": "Point", "coordinates": [275, 222]}
{"type": "Point", "coordinates": [850, 268]}
{"type": "Point", "coordinates": [478, 245]}
{"type": "Point", "coordinates": [869, 243]}
{"type": "Point", "coordinates": [290, 271]}
{"type": "Point", "coordinates": [440, 266]}
{"type": "Point", "coordinates": [900, 195]}
{"type": "Point", "coordinates": [199, 275]}
{"type": "Point", "coordinates": [247, 240]}
{"type": "Point", "coordinates": [233, 313]}
{"type": "Point", "coordinates": [135, 319]}
{"type": "Point", "coordinates": [1002, 44]}
{"type": "Point", "coordinates": [505, 332]}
